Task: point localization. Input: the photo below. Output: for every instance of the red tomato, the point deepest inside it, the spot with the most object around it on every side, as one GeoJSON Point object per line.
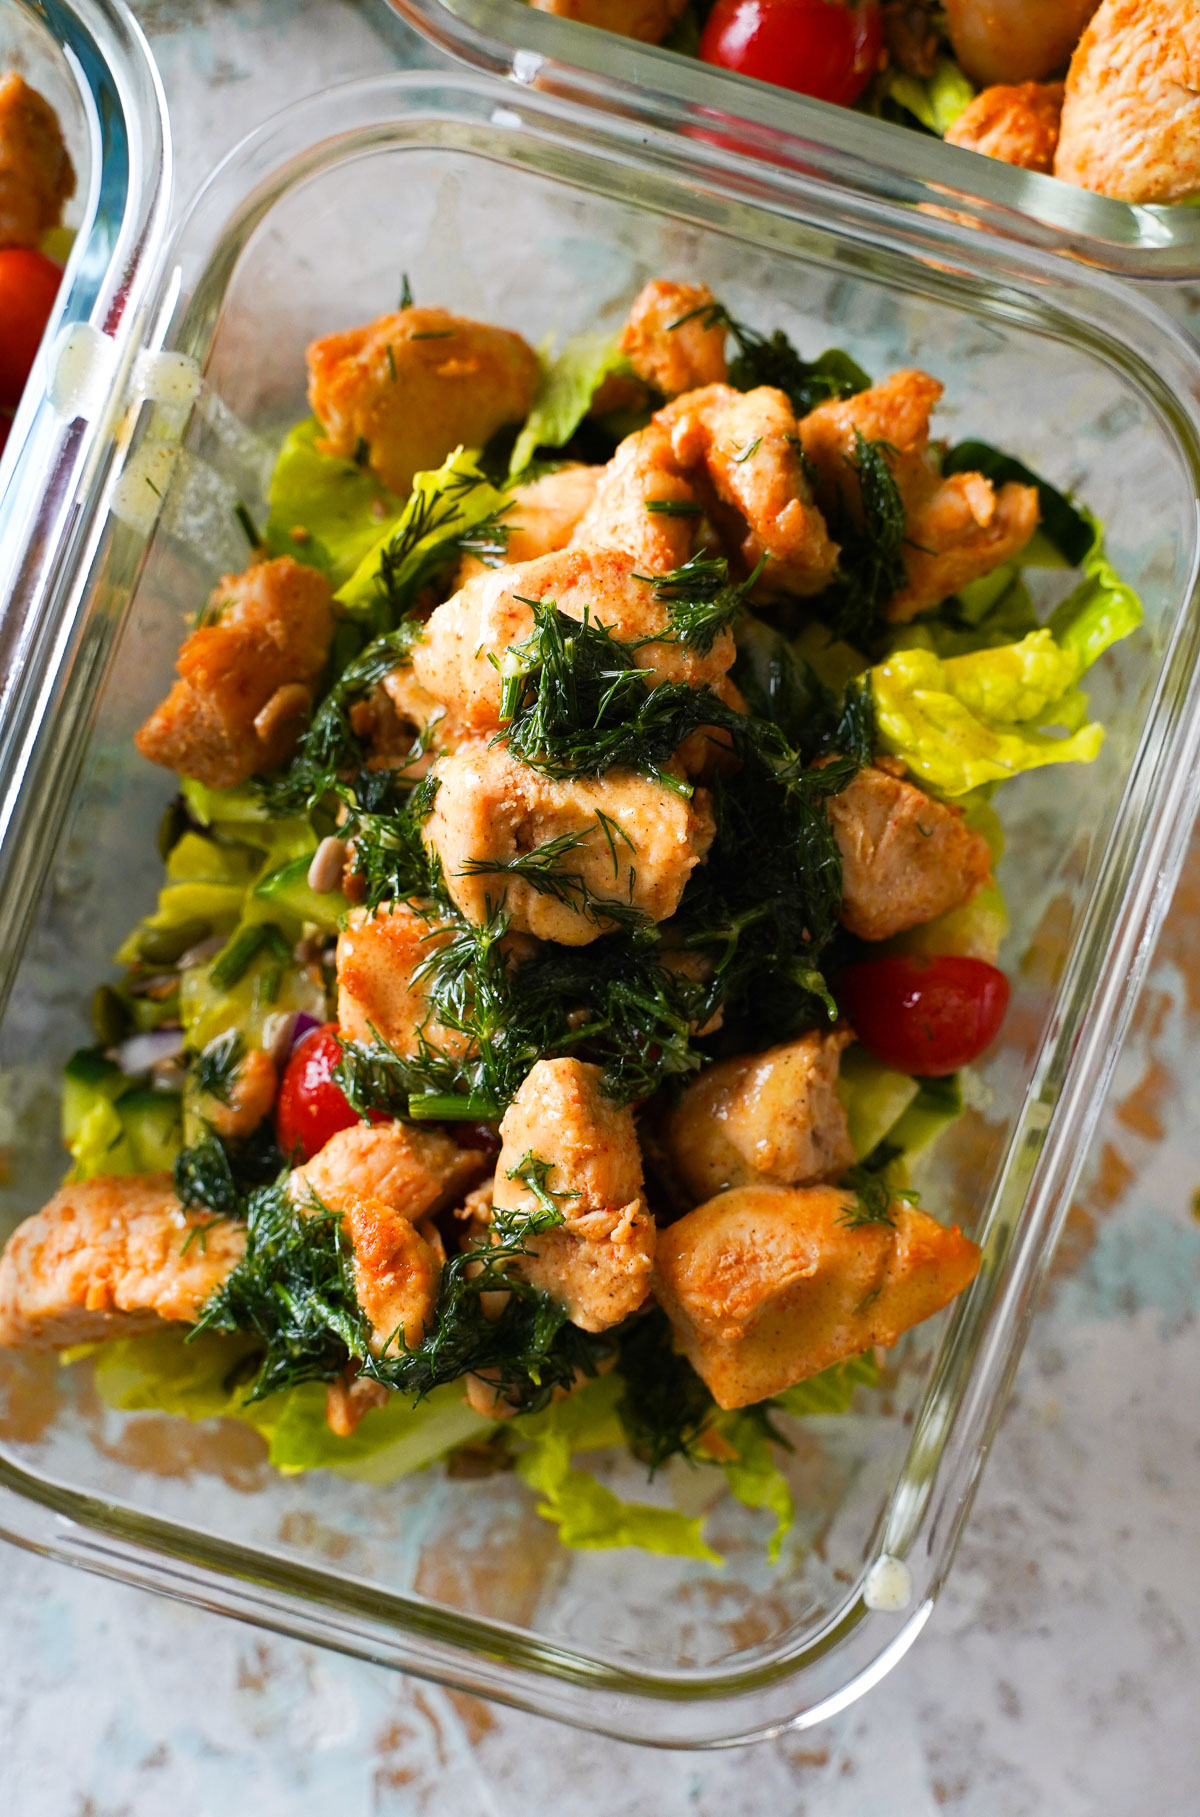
{"type": "Point", "coordinates": [925, 1016]}
{"type": "Point", "coordinates": [311, 1106]}
{"type": "Point", "coordinates": [826, 48]}
{"type": "Point", "coordinates": [28, 286]}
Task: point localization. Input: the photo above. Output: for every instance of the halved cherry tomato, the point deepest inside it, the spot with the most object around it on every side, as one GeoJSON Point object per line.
{"type": "Point", "coordinates": [925, 1016]}
{"type": "Point", "coordinates": [28, 286]}
{"type": "Point", "coordinates": [826, 48]}
{"type": "Point", "coordinates": [311, 1106]}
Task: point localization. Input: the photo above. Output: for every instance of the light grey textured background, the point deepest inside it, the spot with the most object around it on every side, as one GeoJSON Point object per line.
{"type": "Point", "coordinates": [1057, 1678]}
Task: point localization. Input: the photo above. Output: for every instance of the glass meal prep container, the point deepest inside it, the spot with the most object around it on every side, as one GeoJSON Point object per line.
{"type": "Point", "coordinates": [523, 210]}
{"type": "Point", "coordinates": [91, 62]}
{"type": "Point", "coordinates": [895, 163]}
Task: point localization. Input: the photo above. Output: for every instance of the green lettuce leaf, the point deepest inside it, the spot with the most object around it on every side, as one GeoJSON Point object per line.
{"type": "Point", "coordinates": [832, 1391]}
{"type": "Point", "coordinates": [338, 505]}
{"type": "Point", "coordinates": [587, 1514]}
{"type": "Point", "coordinates": [961, 721]}
{"type": "Point", "coordinates": [568, 385]}
{"type": "Point", "coordinates": [935, 101]}
{"type": "Point", "coordinates": [754, 1477]}
{"type": "Point", "coordinates": [160, 1372]}
{"type": "Point", "coordinates": [444, 503]}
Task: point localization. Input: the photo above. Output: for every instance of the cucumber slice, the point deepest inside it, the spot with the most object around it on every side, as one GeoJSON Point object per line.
{"type": "Point", "coordinates": [287, 888]}
{"type": "Point", "coordinates": [88, 1079]}
{"type": "Point", "coordinates": [874, 1097]}
{"type": "Point", "coordinates": [153, 1124]}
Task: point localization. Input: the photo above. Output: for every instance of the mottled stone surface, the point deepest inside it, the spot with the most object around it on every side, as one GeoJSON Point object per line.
{"type": "Point", "coordinates": [1057, 1678]}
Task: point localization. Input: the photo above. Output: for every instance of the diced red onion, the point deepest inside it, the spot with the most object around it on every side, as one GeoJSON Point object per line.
{"type": "Point", "coordinates": [304, 1026]}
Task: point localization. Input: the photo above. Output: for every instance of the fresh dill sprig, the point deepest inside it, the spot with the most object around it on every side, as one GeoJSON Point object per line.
{"type": "Point", "coordinates": [215, 1173]}
{"type": "Point", "coordinates": [871, 567]}
{"type": "Point", "coordinates": [773, 360]}
{"type": "Point", "coordinates": [664, 1406]}
{"type": "Point", "coordinates": [435, 515]}
{"type": "Point", "coordinates": [701, 599]}
{"type": "Point", "coordinates": [215, 1068]}
{"type": "Point", "coordinates": [534, 1173]}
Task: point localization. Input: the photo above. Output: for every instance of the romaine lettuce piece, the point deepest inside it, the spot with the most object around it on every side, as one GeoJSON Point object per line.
{"type": "Point", "coordinates": [753, 1476]}
{"type": "Point", "coordinates": [569, 384]}
{"type": "Point", "coordinates": [445, 503]}
{"type": "Point", "coordinates": [831, 1392]}
{"type": "Point", "coordinates": [935, 101]}
{"type": "Point", "coordinates": [339, 506]}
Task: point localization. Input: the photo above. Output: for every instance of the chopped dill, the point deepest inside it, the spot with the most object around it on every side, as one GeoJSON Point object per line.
{"type": "Point", "coordinates": [534, 1173]}
{"type": "Point", "coordinates": [406, 294]}
{"type": "Point", "coordinates": [215, 1068]}
{"type": "Point", "coordinates": [773, 360]}
{"type": "Point", "coordinates": [871, 567]}
{"type": "Point", "coordinates": [701, 599]}
{"type": "Point", "coordinates": [543, 871]}
{"type": "Point", "coordinates": [249, 528]}
{"type": "Point", "coordinates": [674, 507]}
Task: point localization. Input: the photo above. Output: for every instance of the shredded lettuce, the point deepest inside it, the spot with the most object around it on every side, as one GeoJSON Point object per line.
{"type": "Point", "coordinates": [961, 721]}
{"type": "Point", "coordinates": [444, 503]}
{"type": "Point", "coordinates": [831, 1392]}
{"type": "Point", "coordinates": [337, 506]}
{"type": "Point", "coordinates": [753, 1476]}
{"type": "Point", "coordinates": [569, 384]}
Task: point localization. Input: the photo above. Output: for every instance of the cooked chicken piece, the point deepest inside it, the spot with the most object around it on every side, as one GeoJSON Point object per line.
{"type": "Point", "coordinates": [670, 346]}
{"type": "Point", "coordinates": [767, 1285]}
{"type": "Point", "coordinates": [956, 529]}
{"type": "Point", "coordinates": [636, 843]}
{"type": "Point", "coordinates": [110, 1255]}
{"type": "Point", "coordinates": [643, 474]}
{"type": "Point", "coordinates": [774, 1116]}
{"type": "Point", "coordinates": [542, 517]}
{"type": "Point", "coordinates": [402, 392]}
{"type": "Point", "coordinates": [396, 1271]}
{"type": "Point", "coordinates": [350, 1397]}
{"type": "Point", "coordinates": [649, 20]}
{"type": "Point", "coordinates": [36, 173]}
{"type": "Point", "coordinates": [459, 662]}
{"type": "Point", "coordinates": [379, 953]}
{"type": "Point", "coordinates": [1017, 125]}
{"type": "Point", "coordinates": [412, 1172]}
{"type": "Point", "coordinates": [249, 1098]}
{"type": "Point", "coordinates": [598, 1262]}
{"type": "Point", "coordinates": [745, 444]}
{"type": "Point", "coordinates": [248, 680]}
{"type": "Point", "coordinates": [905, 856]}
{"type": "Point", "coordinates": [431, 724]}
{"type": "Point", "coordinates": [1131, 115]}
{"type": "Point", "coordinates": [1015, 40]}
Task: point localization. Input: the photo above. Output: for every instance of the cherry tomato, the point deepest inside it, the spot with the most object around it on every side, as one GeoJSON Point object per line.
{"type": "Point", "coordinates": [826, 48]}
{"type": "Point", "coordinates": [28, 286]}
{"type": "Point", "coordinates": [311, 1106]}
{"type": "Point", "coordinates": [925, 1016]}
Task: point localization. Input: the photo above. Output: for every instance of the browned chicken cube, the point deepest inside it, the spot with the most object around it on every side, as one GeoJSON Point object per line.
{"type": "Point", "coordinates": [379, 953]}
{"type": "Point", "coordinates": [542, 517]}
{"type": "Point", "coordinates": [643, 505]}
{"type": "Point", "coordinates": [246, 681]}
{"type": "Point", "coordinates": [36, 174]}
{"type": "Point", "coordinates": [401, 393]}
{"type": "Point", "coordinates": [598, 1262]}
{"type": "Point", "coordinates": [675, 338]}
{"type": "Point", "coordinates": [110, 1255]}
{"type": "Point", "coordinates": [1018, 125]}
{"type": "Point", "coordinates": [905, 856]}
{"type": "Point", "coordinates": [1131, 113]}
{"type": "Point", "coordinates": [767, 1285]}
{"type": "Point", "coordinates": [774, 1116]}
{"type": "Point", "coordinates": [634, 843]}
{"type": "Point", "coordinates": [957, 528]}
{"type": "Point", "coordinates": [412, 1172]}
{"type": "Point", "coordinates": [649, 20]}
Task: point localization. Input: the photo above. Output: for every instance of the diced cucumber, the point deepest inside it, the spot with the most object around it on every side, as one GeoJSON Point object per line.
{"type": "Point", "coordinates": [288, 889]}
{"type": "Point", "coordinates": [195, 859]}
{"type": "Point", "coordinates": [88, 1079]}
{"type": "Point", "coordinates": [153, 1124]}
{"type": "Point", "coordinates": [874, 1097]}
{"type": "Point", "coordinates": [937, 1103]}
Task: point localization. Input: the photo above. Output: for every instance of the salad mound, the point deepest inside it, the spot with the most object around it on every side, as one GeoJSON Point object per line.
{"type": "Point", "coordinates": [579, 905]}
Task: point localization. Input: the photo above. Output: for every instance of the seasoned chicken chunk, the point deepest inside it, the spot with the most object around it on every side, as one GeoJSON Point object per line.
{"type": "Point", "coordinates": [413, 1172]}
{"type": "Point", "coordinates": [674, 337]}
{"type": "Point", "coordinates": [1015, 40]}
{"type": "Point", "coordinates": [649, 20]}
{"type": "Point", "coordinates": [634, 843]}
{"type": "Point", "coordinates": [379, 953]}
{"type": "Point", "coordinates": [905, 856]}
{"type": "Point", "coordinates": [110, 1255]}
{"type": "Point", "coordinates": [643, 505]}
{"type": "Point", "coordinates": [36, 173]}
{"type": "Point", "coordinates": [745, 443]}
{"type": "Point", "coordinates": [957, 529]}
{"type": "Point", "coordinates": [774, 1116]}
{"type": "Point", "coordinates": [402, 392]}
{"type": "Point", "coordinates": [1017, 125]}
{"type": "Point", "coordinates": [459, 662]}
{"type": "Point", "coordinates": [542, 517]}
{"type": "Point", "coordinates": [1131, 113]}
{"type": "Point", "coordinates": [247, 1099]}
{"type": "Point", "coordinates": [246, 681]}
{"type": "Point", "coordinates": [598, 1262]}
{"type": "Point", "coordinates": [767, 1285]}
